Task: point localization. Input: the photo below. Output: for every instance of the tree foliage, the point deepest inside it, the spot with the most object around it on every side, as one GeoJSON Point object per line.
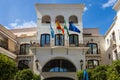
{"type": "Point", "coordinates": [103, 72]}
{"type": "Point", "coordinates": [7, 68]}
{"type": "Point", "coordinates": [26, 74]}
{"type": "Point", "coordinates": [113, 72]}
{"type": "Point", "coordinates": [36, 77]}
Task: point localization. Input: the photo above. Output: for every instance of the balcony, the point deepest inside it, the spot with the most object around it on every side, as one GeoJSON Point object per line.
{"type": "Point", "coordinates": [113, 42]}
{"type": "Point", "coordinates": [60, 74]}
{"type": "Point", "coordinates": [36, 43]}
{"type": "Point", "coordinates": [96, 54]}
{"type": "Point", "coordinates": [8, 53]}
{"type": "Point", "coordinates": [93, 55]}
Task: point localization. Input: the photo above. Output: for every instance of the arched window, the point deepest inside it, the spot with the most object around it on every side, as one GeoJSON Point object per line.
{"type": "Point", "coordinates": [73, 19]}
{"type": "Point", "coordinates": [24, 49]}
{"type": "Point", "coordinates": [23, 64]}
{"type": "Point", "coordinates": [59, 65]}
{"type": "Point", "coordinates": [109, 56]}
{"type": "Point", "coordinates": [46, 19]}
{"type": "Point", "coordinates": [60, 19]}
{"type": "Point", "coordinates": [92, 63]}
{"type": "Point", "coordinates": [73, 39]}
{"type": "Point", "coordinates": [3, 41]}
{"type": "Point", "coordinates": [115, 55]}
{"type": "Point", "coordinates": [45, 40]}
{"type": "Point", "coordinates": [59, 40]}
{"type": "Point", "coordinates": [93, 48]}
{"type": "Point", "coordinates": [113, 36]}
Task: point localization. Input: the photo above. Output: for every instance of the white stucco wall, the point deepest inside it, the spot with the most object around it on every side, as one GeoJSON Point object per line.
{"type": "Point", "coordinates": [46, 54]}
{"type": "Point", "coordinates": [115, 27]}
{"type": "Point", "coordinates": [54, 10]}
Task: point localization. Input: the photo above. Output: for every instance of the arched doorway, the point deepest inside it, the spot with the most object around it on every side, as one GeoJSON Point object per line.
{"type": "Point", "coordinates": [59, 65]}
{"type": "Point", "coordinates": [58, 78]}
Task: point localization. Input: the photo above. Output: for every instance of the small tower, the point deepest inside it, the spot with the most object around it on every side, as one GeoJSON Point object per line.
{"type": "Point", "coordinates": [62, 56]}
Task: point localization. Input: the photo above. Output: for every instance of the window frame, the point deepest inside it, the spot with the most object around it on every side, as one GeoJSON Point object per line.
{"type": "Point", "coordinates": [93, 65]}
{"type": "Point", "coordinates": [92, 52]}
{"type": "Point", "coordinates": [59, 40]}
{"type": "Point", "coordinates": [24, 51]}
{"type": "Point", "coordinates": [60, 18]}
{"type": "Point", "coordinates": [45, 41]}
{"type": "Point", "coordinates": [73, 39]}
{"type": "Point", "coordinates": [74, 19]}
{"type": "Point", "coordinates": [46, 19]}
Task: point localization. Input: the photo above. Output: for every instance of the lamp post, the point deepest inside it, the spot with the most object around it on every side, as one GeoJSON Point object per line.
{"type": "Point", "coordinates": [36, 62]}
{"type": "Point", "coordinates": [81, 63]}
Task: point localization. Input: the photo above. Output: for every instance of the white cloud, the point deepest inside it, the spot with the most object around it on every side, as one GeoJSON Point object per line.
{"type": "Point", "coordinates": [6, 27]}
{"type": "Point", "coordinates": [85, 9]}
{"type": "Point", "coordinates": [22, 24]}
{"type": "Point", "coordinates": [109, 3]}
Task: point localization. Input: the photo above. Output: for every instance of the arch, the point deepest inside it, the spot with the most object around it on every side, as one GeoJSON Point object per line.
{"type": "Point", "coordinates": [46, 19]}
{"type": "Point", "coordinates": [73, 19]}
{"type": "Point", "coordinates": [59, 65]}
{"type": "Point", "coordinates": [93, 48]}
{"type": "Point", "coordinates": [60, 18]}
{"type": "Point", "coordinates": [23, 64]}
{"type": "Point", "coordinates": [58, 78]}
{"type": "Point", "coordinates": [73, 39]}
{"type": "Point", "coordinates": [24, 48]}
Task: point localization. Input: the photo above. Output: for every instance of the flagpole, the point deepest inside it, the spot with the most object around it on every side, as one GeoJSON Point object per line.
{"type": "Point", "coordinates": [67, 41]}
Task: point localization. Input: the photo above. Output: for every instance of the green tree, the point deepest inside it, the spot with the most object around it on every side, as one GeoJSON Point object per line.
{"type": "Point", "coordinates": [26, 74]}
{"type": "Point", "coordinates": [90, 74]}
{"type": "Point", "coordinates": [99, 73]}
{"type": "Point", "coordinates": [7, 68]}
{"type": "Point", "coordinates": [80, 75]}
{"type": "Point", "coordinates": [36, 77]}
{"type": "Point", "coordinates": [103, 72]}
{"type": "Point", "coordinates": [113, 72]}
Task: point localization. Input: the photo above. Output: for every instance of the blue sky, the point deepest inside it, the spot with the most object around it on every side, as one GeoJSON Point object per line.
{"type": "Point", "coordinates": [21, 13]}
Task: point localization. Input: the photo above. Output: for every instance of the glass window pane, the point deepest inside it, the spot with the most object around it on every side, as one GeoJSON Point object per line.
{"type": "Point", "coordinates": [93, 63]}
{"type": "Point", "coordinates": [59, 40]}
{"type": "Point", "coordinates": [24, 48]}
{"type": "Point", "coordinates": [27, 49]}
{"type": "Point", "coordinates": [93, 49]}
{"type": "Point", "coordinates": [76, 39]}
{"type": "Point", "coordinates": [45, 39]}
{"type": "Point", "coordinates": [73, 39]}
{"type": "Point", "coordinates": [56, 40]}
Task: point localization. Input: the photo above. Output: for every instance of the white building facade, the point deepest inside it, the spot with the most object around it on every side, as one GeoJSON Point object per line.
{"type": "Point", "coordinates": [62, 56]}
{"type": "Point", "coordinates": [112, 37]}
{"type": "Point", "coordinates": [58, 58]}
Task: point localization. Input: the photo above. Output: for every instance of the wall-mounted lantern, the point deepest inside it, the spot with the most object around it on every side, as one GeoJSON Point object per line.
{"type": "Point", "coordinates": [81, 64]}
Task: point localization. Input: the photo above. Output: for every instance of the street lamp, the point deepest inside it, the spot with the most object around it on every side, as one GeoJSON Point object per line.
{"type": "Point", "coordinates": [36, 62]}
{"type": "Point", "coordinates": [81, 63]}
